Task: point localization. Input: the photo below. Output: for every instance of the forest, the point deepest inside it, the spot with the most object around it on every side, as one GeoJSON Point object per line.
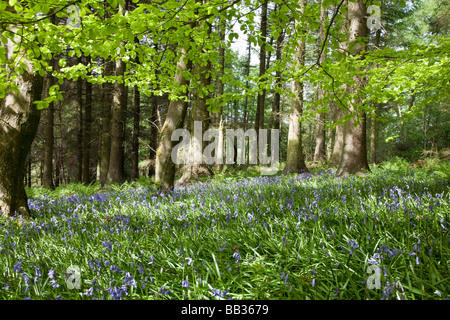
{"type": "Point", "coordinates": [225, 149]}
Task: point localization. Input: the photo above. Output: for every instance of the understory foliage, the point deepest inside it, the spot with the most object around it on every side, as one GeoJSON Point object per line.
{"type": "Point", "coordinates": [304, 236]}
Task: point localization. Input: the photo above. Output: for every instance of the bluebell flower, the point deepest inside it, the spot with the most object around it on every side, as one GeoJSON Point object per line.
{"type": "Point", "coordinates": [185, 284]}
{"type": "Point", "coordinates": [129, 281]}
{"type": "Point", "coordinates": [51, 273]}
{"type": "Point", "coordinates": [18, 267]}
{"type": "Point", "coordinates": [336, 292]}
{"type": "Point", "coordinates": [115, 292]}
{"type": "Point", "coordinates": [54, 283]}
{"type": "Point", "coordinates": [218, 292]}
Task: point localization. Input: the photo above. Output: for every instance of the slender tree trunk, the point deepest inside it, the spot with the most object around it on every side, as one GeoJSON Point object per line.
{"type": "Point", "coordinates": [220, 90]}
{"type": "Point", "coordinates": [105, 120]}
{"type": "Point", "coordinates": [295, 160]}
{"type": "Point", "coordinates": [19, 120]}
{"type": "Point", "coordinates": [338, 139]}
{"type": "Point", "coordinates": [331, 134]}
{"type": "Point", "coordinates": [79, 102]}
{"type": "Point", "coordinates": [48, 115]}
{"type": "Point", "coordinates": [153, 143]}
{"type": "Point", "coordinates": [259, 120]}
{"type": "Point", "coordinates": [116, 172]}
{"type": "Point", "coordinates": [136, 130]}
{"type": "Point", "coordinates": [319, 152]}
{"type": "Point", "coordinates": [354, 155]}
{"type": "Point", "coordinates": [135, 135]}
{"type": "Point", "coordinates": [247, 74]}
{"type": "Point", "coordinates": [337, 111]}
{"type": "Point", "coordinates": [165, 167]}
{"type": "Point", "coordinates": [373, 122]}
{"type": "Point", "coordinates": [277, 96]}
{"type": "Point", "coordinates": [87, 130]}
{"type": "Point", "coordinates": [373, 137]}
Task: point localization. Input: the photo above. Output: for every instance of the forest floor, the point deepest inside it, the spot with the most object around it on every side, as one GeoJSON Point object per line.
{"type": "Point", "coordinates": [302, 236]}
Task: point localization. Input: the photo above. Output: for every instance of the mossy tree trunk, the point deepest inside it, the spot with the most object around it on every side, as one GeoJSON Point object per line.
{"type": "Point", "coordinates": [295, 159]}
{"type": "Point", "coordinates": [354, 154]}
{"type": "Point", "coordinates": [176, 113]}
{"type": "Point", "coordinates": [19, 120]}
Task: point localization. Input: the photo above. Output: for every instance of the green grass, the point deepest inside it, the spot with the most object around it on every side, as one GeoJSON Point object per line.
{"type": "Point", "coordinates": [310, 236]}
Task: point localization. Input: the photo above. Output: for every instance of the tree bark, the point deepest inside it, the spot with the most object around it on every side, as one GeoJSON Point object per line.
{"type": "Point", "coordinates": [19, 120]}
{"type": "Point", "coordinates": [135, 135]}
{"type": "Point", "coordinates": [48, 115]}
{"type": "Point", "coordinates": [247, 74]}
{"type": "Point", "coordinates": [153, 143]}
{"type": "Point", "coordinates": [319, 152]}
{"type": "Point", "coordinates": [277, 96]}
{"type": "Point", "coordinates": [165, 167]}
{"type": "Point", "coordinates": [259, 119]}
{"type": "Point", "coordinates": [86, 176]}
{"type": "Point", "coordinates": [354, 155]}
{"type": "Point", "coordinates": [295, 159]}
{"type": "Point", "coordinates": [105, 121]}
{"type": "Point", "coordinates": [337, 111]}
{"type": "Point", "coordinates": [79, 102]}
{"type": "Point", "coordinates": [196, 167]}
{"type": "Point", "coordinates": [373, 122]}
{"type": "Point", "coordinates": [220, 90]}
{"type": "Point", "coordinates": [116, 172]}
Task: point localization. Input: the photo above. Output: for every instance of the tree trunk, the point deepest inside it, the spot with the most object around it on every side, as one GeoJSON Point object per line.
{"type": "Point", "coordinates": [319, 152]}
{"type": "Point", "coordinates": [220, 90]}
{"type": "Point", "coordinates": [373, 137]}
{"type": "Point", "coordinates": [295, 159]}
{"type": "Point", "coordinates": [277, 96]}
{"type": "Point", "coordinates": [331, 133]}
{"type": "Point", "coordinates": [79, 102]}
{"type": "Point", "coordinates": [373, 122]}
{"type": "Point", "coordinates": [354, 155]}
{"type": "Point", "coordinates": [48, 115]}
{"type": "Point", "coordinates": [135, 135]}
{"type": "Point", "coordinates": [247, 74]}
{"type": "Point", "coordinates": [19, 120]}
{"type": "Point", "coordinates": [165, 167]}
{"type": "Point", "coordinates": [196, 167]}
{"type": "Point", "coordinates": [136, 130]}
{"type": "Point", "coordinates": [87, 130]}
{"type": "Point", "coordinates": [153, 143]}
{"type": "Point", "coordinates": [338, 113]}
{"type": "Point", "coordinates": [259, 119]}
{"type": "Point", "coordinates": [116, 172]}
{"type": "Point", "coordinates": [104, 146]}
{"type": "Point", "coordinates": [338, 139]}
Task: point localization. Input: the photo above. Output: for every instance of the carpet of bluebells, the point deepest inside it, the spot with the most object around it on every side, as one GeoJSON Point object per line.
{"type": "Point", "coordinates": [306, 236]}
